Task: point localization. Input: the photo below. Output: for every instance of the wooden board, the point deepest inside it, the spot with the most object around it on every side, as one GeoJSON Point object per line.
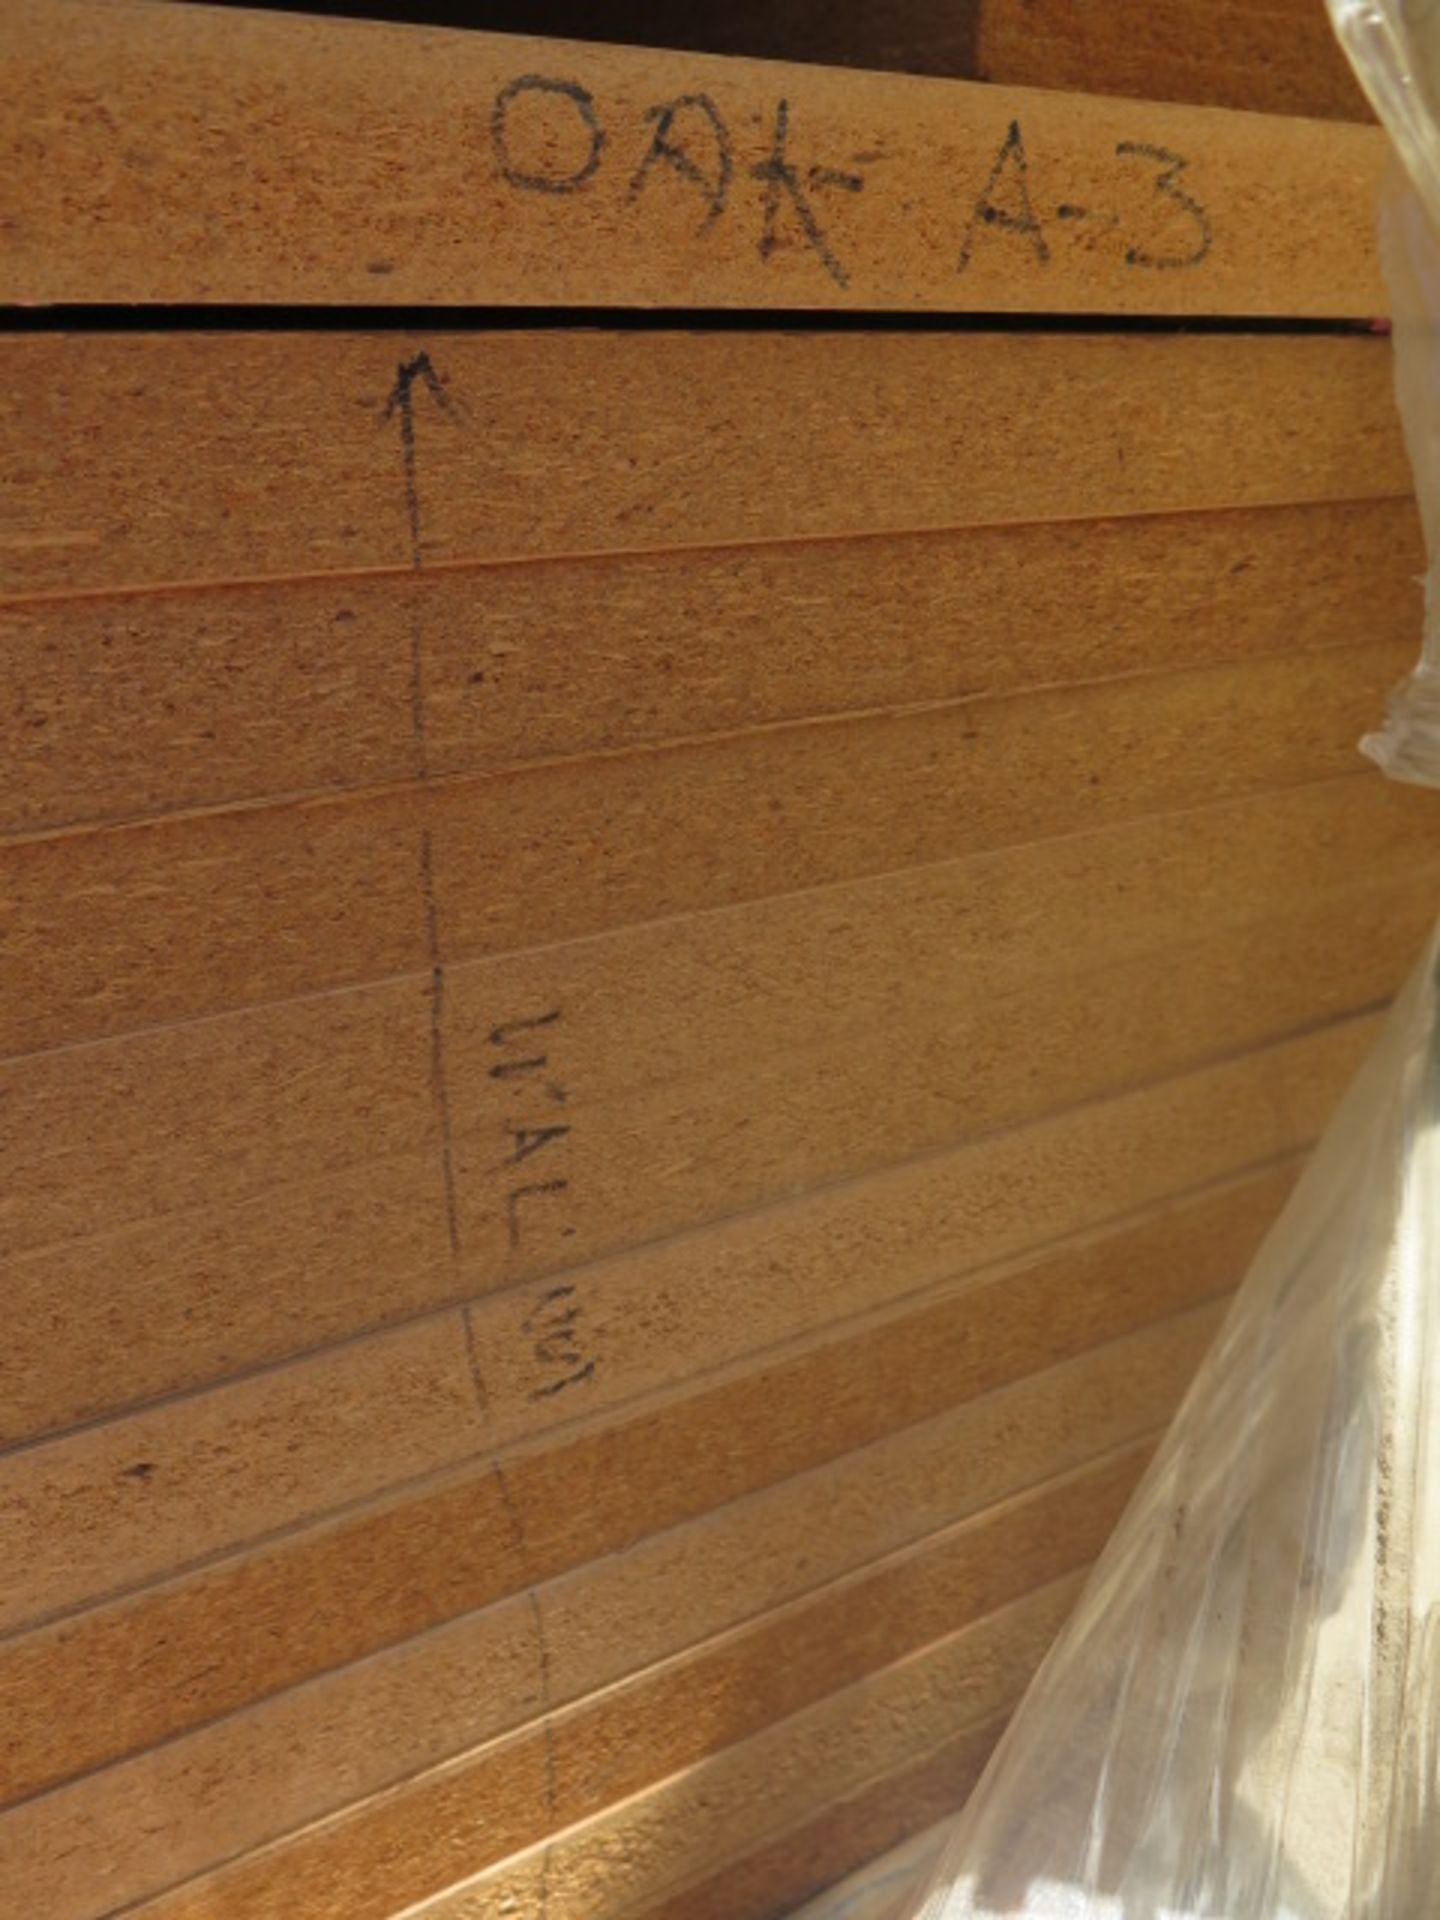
{"type": "Point", "coordinates": [123, 1503]}
{"type": "Point", "coordinates": [497, 1798]}
{"type": "Point", "coordinates": [281, 458]}
{"type": "Point", "coordinates": [180, 1299]}
{"type": "Point", "coordinates": [876, 1480]}
{"type": "Point", "coordinates": [133, 704]}
{"type": "Point", "coordinates": [172, 1633]}
{"type": "Point", "coordinates": [364, 163]}
{"type": "Point", "coordinates": [156, 1178]}
{"type": "Point", "coordinates": [1266, 56]}
{"type": "Point", "coordinates": [188, 916]}
{"type": "Point", "coordinates": [629, 1856]}
{"type": "Point", "coordinates": [768, 1876]}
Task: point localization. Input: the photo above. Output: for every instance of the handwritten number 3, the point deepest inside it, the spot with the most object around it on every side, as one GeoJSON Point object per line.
{"type": "Point", "coordinates": [1168, 185]}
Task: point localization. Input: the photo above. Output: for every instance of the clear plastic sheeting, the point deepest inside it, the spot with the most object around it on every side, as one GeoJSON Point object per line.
{"type": "Point", "coordinates": [1407, 747]}
{"type": "Point", "coordinates": [1394, 46]}
{"type": "Point", "coordinates": [1242, 1718]}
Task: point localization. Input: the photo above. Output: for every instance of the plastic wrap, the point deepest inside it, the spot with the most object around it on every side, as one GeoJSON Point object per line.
{"type": "Point", "coordinates": [1242, 1718]}
{"type": "Point", "coordinates": [1394, 46]}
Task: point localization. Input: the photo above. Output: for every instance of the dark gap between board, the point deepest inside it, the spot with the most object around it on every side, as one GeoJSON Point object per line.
{"type": "Point", "coordinates": [897, 36]}
{"type": "Point", "coordinates": [229, 318]}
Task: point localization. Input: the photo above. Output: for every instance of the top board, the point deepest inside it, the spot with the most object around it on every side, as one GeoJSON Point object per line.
{"type": "Point", "coordinates": [186, 155]}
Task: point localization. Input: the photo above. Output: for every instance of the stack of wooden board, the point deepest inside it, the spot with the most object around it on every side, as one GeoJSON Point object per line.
{"type": "Point", "coordinates": [657, 975]}
{"type": "Point", "coordinates": [1267, 56]}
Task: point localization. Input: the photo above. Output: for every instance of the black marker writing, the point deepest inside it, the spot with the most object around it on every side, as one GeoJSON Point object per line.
{"type": "Point", "coordinates": [502, 1035]}
{"type": "Point", "coordinates": [1107, 221]}
{"type": "Point", "coordinates": [533, 1063]}
{"type": "Point", "coordinates": [667, 148]}
{"type": "Point", "coordinates": [583, 103]}
{"type": "Point", "coordinates": [552, 1324]}
{"type": "Point", "coordinates": [401, 406]}
{"type": "Point", "coordinates": [1167, 184]}
{"type": "Point", "coordinates": [553, 1327]}
{"type": "Point", "coordinates": [535, 1190]}
{"type": "Point", "coordinates": [779, 178]}
{"type": "Point", "coordinates": [1013, 169]}
{"type": "Point", "coordinates": [587, 1372]}
{"type": "Point", "coordinates": [548, 138]}
{"type": "Point", "coordinates": [526, 1068]}
{"type": "Point", "coordinates": [530, 1140]}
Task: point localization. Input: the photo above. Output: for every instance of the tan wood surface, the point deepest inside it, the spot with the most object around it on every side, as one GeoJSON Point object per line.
{"type": "Point", "coordinates": [872, 1480]}
{"type": "Point", "coordinates": [484, 1805]}
{"type": "Point", "coordinates": [852, 1831]}
{"type": "Point", "coordinates": [627, 1858]}
{"type": "Point", "coordinates": [1266, 56]}
{"type": "Point", "coordinates": [131, 1158]}
{"type": "Point", "coordinates": [280, 458]}
{"type": "Point", "coordinates": [183, 1296]}
{"type": "Point", "coordinates": [194, 154]}
{"type": "Point", "coordinates": [139, 703]}
{"type": "Point", "coordinates": [117, 1504]}
{"type": "Point", "coordinates": [136, 928]}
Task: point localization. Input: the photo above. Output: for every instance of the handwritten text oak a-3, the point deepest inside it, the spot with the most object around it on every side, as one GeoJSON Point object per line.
{"type": "Point", "coordinates": [549, 136]}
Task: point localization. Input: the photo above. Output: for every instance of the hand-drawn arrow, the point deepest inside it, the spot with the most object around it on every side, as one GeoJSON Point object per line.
{"type": "Point", "coordinates": [402, 402]}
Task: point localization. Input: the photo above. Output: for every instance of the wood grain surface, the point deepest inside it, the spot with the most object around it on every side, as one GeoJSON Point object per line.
{"type": "Point", "coordinates": [152, 459]}
{"type": "Point", "coordinates": [363, 163]}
